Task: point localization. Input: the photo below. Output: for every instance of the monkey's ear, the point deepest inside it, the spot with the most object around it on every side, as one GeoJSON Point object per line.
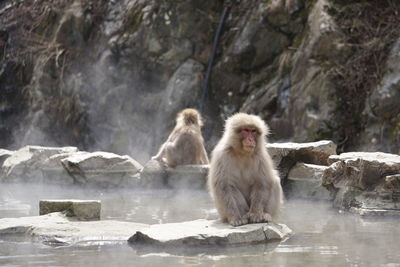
{"type": "Point", "coordinates": [267, 130]}
{"type": "Point", "coordinates": [200, 120]}
{"type": "Point", "coordinates": [263, 127]}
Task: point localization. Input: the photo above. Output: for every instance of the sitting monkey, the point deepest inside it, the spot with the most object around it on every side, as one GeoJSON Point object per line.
{"type": "Point", "coordinates": [185, 144]}
{"type": "Point", "coordinates": [242, 180]}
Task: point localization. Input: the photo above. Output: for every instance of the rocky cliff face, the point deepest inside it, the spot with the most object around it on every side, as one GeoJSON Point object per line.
{"type": "Point", "coordinates": [111, 75]}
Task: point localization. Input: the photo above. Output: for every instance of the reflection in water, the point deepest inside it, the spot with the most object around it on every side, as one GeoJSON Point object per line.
{"type": "Point", "coordinates": [151, 207]}
{"type": "Point", "coordinates": [323, 236]}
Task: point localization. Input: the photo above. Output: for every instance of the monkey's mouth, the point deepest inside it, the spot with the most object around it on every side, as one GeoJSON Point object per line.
{"type": "Point", "coordinates": [248, 148]}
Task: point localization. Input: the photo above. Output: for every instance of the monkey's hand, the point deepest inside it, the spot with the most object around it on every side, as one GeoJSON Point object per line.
{"type": "Point", "coordinates": [155, 158]}
{"type": "Point", "coordinates": [258, 217]}
{"type": "Point", "coordinates": [161, 160]}
{"type": "Point", "coordinates": [238, 221]}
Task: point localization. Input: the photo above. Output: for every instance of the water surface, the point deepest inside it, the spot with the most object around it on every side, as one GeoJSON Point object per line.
{"type": "Point", "coordinates": [323, 236]}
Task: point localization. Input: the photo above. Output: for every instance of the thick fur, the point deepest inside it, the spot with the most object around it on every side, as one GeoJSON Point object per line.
{"type": "Point", "coordinates": [185, 144]}
{"type": "Point", "coordinates": [245, 186]}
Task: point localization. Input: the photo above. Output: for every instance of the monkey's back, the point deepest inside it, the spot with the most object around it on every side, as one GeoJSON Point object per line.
{"type": "Point", "coordinates": [189, 143]}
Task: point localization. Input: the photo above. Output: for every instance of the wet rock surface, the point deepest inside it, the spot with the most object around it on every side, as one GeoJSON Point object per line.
{"type": "Point", "coordinates": [208, 232]}
{"type": "Point", "coordinates": [58, 229]}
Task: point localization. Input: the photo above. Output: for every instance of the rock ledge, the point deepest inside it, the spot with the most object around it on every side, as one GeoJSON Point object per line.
{"type": "Point", "coordinates": [209, 232]}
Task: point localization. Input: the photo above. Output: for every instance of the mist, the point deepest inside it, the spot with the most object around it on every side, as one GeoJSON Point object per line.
{"type": "Point", "coordinates": [322, 234]}
{"type": "Point", "coordinates": [117, 95]}
{"type": "Point", "coordinates": [111, 76]}
{"type": "Point", "coordinates": [135, 205]}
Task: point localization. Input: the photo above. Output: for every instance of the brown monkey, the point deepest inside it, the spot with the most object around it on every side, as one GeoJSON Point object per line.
{"type": "Point", "coordinates": [242, 180]}
{"type": "Point", "coordinates": [185, 144]}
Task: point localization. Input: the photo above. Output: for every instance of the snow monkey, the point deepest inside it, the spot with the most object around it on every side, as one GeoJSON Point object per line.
{"type": "Point", "coordinates": [242, 180]}
{"type": "Point", "coordinates": [185, 144]}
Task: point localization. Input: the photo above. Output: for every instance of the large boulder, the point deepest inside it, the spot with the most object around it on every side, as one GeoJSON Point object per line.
{"type": "Point", "coordinates": [209, 232]}
{"type": "Point", "coordinates": [102, 169]}
{"type": "Point", "coordinates": [305, 181]}
{"type": "Point", "coordinates": [4, 154]}
{"type": "Point", "coordinates": [67, 166]}
{"type": "Point", "coordinates": [33, 164]}
{"type": "Point", "coordinates": [58, 229]}
{"type": "Point", "coordinates": [367, 183]}
{"type": "Point", "coordinates": [286, 155]}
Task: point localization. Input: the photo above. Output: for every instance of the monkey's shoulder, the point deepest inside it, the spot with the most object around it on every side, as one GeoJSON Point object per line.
{"type": "Point", "coordinates": [191, 132]}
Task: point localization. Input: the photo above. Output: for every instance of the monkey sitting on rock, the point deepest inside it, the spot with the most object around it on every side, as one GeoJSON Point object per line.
{"type": "Point", "coordinates": [185, 144]}
{"type": "Point", "coordinates": [242, 179]}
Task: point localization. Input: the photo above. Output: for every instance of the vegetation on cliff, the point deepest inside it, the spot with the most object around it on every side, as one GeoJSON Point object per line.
{"type": "Point", "coordinates": [94, 73]}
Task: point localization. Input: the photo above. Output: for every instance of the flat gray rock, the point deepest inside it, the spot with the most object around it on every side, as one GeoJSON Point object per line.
{"type": "Point", "coordinates": [286, 155]}
{"type": "Point", "coordinates": [209, 232]}
{"type": "Point", "coordinates": [371, 157]}
{"type": "Point", "coordinates": [57, 229]}
{"type": "Point", "coordinates": [102, 169]}
{"type": "Point", "coordinates": [311, 152]}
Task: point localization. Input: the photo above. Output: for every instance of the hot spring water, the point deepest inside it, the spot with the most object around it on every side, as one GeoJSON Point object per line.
{"type": "Point", "coordinates": [323, 236]}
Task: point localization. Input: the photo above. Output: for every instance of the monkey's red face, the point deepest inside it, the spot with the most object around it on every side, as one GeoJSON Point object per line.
{"type": "Point", "coordinates": [249, 138]}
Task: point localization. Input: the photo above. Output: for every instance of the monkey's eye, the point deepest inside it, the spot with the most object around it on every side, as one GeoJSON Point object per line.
{"type": "Point", "coordinates": [250, 130]}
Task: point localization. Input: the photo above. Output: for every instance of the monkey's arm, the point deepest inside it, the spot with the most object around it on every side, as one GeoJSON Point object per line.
{"type": "Point", "coordinates": [230, 202]}
{"type": "Point", "coordinates": [259, 196]}
{"type": "Point", "coordinates": [204, 157]}
{"type": "Point", "coordinates": [266, 195]}
{"type": "Point", "coordinates": [161, 152]}
{"type": "Point", "coordinates": [275, 200]}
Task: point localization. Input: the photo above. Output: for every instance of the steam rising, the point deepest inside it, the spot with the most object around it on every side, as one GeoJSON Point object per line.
{"type": "Point", "coordinates": [321, 233]}
{"type": "Point", "coordinates": [148, 206]}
